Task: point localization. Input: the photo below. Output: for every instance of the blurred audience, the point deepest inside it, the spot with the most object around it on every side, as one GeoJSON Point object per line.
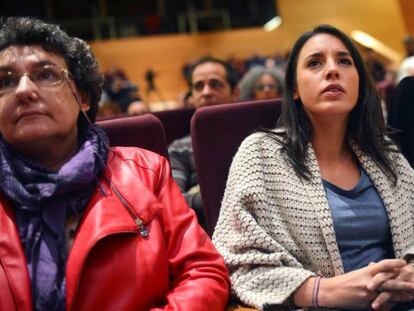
{"type": "Point", "coordinates": [137, 108]}
{"type": "Point", "coordinates": [375, 66]}
{"type": "Point", "coordinates": [108, 109]}
{"type": "Point", "coordinates": [120, 89]}
{"type": "Point", "coordinates": [241, 65]}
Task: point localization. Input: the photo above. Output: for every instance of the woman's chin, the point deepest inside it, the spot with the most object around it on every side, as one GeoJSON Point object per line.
{"type": "Point", "coordinates": [29, 136]}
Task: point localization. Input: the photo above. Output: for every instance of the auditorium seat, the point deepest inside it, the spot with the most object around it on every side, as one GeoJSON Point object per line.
{"type": "Point", "coordinates": [217, 132]}
{"type": "Point", "coordinates": [401, 117]}
{"type": "Point", "coordinates": [176, 122]}
{"type": "Point", "coordinates": [145, 131]}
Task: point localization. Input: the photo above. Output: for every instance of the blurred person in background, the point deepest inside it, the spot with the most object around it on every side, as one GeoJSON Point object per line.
{"type": "Point", "coordinates": [120, 89]}
{"type": "Point", "coordinates": [375, 66]}
{"type": "Point", "coordinates": [137, 108]}
{"type": "Point", "coordinates": [261, 83]}
{"type": "Point", "coordinates": [406, 68]}
{"type": "Point", "coordinates": [108, 109]}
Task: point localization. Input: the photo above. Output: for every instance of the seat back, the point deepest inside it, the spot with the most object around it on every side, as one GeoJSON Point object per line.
{"type": "Point", "coordinates": [216, 133]}
{"type": "Point", "coordinates": [176, 122]}
{"type": "Point", "coordinates": [145, 131]}
{"type": "Point", "coordinates": [402, 115]}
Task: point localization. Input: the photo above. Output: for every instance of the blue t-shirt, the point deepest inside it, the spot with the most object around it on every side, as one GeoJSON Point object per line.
{"type": "Point", "coordinates": [361, 224]}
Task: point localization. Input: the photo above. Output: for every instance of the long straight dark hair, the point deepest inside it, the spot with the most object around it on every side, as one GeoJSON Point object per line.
{"type": "Point", "coordinates": [366, 126]}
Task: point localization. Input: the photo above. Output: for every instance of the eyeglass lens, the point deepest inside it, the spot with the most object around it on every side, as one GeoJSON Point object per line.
{"type": "Point", "coordinates": [45, 76]}
{"type": "Point", "coordinates": [266, 87]}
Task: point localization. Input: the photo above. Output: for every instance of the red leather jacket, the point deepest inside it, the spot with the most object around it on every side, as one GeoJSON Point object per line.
{"type": "Point", "coordinates": [138, 247]}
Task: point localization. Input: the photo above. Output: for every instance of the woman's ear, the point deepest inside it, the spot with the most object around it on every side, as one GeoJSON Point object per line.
{"type": "Point", "coordinates": [85, 106]}
{"type": "Point", "coordinates": [295, 95]}
{"type": "Point", "coordinates": [85, 101]}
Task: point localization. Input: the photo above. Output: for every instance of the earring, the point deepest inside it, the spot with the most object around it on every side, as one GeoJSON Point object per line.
{"type": "Point", "coordinates": [85, 107]}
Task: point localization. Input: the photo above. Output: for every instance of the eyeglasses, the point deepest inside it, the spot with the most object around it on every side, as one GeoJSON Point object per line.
{"type": "Point", "coordinates": [43, 77]}
{"type": "Point", "coordinates": [213, 84]}
{"type": "Point", "coordinates": [265, 87]}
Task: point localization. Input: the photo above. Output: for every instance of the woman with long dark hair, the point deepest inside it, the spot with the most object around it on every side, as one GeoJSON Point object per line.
{"type": "Point", "coordinates": [319, 211]}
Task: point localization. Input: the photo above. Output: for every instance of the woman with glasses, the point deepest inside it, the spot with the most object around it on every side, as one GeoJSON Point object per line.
{"type": "Point", "coordinates": [84, 226]}
{"type": "Point", "coordinates": [261, 83]}
{"type": "Point", "coordinates": [319, 212]}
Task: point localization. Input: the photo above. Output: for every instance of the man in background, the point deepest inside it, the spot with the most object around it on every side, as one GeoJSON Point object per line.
{"type": "Point", "coordinates": [212, 82]}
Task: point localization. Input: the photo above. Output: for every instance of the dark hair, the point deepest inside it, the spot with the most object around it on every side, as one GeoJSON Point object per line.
{"type": "Point", "coordinates": [230, 73]}
{"type": "Point", "coordinates": [366, 126]}
{"type": "Point", "coordinates": [78, 55]}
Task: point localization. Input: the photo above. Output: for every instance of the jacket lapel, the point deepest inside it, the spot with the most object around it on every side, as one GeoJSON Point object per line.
{"type": "Point", "coordinates": [105, 215]}
{"type": "Point", "coordinates": [13, 259]}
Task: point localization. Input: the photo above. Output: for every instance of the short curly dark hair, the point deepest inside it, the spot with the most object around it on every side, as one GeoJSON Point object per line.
{"type": "Point", "coordinates": [77, 53]}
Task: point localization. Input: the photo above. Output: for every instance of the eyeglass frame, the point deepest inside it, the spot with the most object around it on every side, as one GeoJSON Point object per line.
{"type": "Point", "coordinates": [265, 87]}
{"type": "Point", "coordinates": [65, 75]}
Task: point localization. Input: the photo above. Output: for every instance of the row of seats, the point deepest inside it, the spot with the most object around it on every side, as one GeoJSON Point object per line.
{"type": "Point", "coordinates": [216, 132]}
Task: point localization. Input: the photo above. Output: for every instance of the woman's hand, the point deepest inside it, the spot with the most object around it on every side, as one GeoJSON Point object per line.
{"type": "Point", "coordinates": [351, 290]}
{"type": "Point", "coordinates": [398, 289]}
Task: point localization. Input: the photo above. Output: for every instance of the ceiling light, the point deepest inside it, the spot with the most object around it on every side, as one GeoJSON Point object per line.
{"type": "Point", "coordinates": [370, 42]}
{"type": "Point", "coordinates": [273, 23]}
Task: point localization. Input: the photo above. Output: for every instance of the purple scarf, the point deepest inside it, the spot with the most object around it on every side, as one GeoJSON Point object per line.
{"type": "Point", "coordinates": [41, 200]}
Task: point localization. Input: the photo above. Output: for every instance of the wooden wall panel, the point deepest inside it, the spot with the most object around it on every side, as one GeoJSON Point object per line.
{"type": "Point", "coordinates": [407, 9]}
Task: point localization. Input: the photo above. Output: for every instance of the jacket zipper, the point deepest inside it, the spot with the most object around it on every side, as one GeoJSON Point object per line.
{"type": "Point", "coordinates": [142, 229]}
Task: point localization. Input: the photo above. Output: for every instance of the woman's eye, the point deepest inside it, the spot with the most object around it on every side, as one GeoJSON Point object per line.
{"type": "Point", "coordinates": [345, 61]}
{"type": "Point", "coordinates": [47, 74]}
{"type": "Point", "coordinates": [8, 81]}
{"type": "Point", "coordinates": [314, 63]}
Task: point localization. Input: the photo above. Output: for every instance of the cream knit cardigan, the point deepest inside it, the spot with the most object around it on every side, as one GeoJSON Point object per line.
{"type": "Point", "coordinates": [275, 230]}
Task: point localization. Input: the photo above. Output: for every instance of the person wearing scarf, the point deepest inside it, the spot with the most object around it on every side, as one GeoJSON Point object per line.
{"type": "Point", "coordinates": [59, 175]}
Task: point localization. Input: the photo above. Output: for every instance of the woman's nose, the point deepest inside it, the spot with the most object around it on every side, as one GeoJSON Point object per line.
{"type": "Point", "coordinates": [26, 89]}
{"type": "Point", "coordinates": [332, 70]}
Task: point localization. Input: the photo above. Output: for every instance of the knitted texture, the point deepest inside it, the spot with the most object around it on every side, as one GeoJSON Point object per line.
{"type": "Point", "coordinates": [275, 229]}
